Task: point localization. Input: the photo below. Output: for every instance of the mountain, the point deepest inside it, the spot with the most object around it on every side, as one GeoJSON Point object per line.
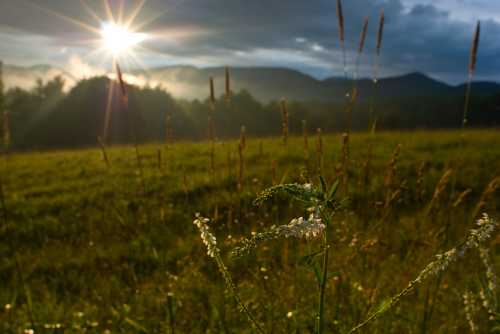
{"type": "Point", "coordinates": [264, 83]}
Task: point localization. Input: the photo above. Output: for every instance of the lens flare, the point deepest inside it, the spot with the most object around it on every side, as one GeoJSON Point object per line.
{"type": "Point", "coordinates": [118, 39]}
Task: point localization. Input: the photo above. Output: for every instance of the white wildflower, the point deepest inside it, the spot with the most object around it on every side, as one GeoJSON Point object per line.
{"type": "Point", "coordinates": [208, 238]}
{"type": "Point", "coordinates": [486, 301]}
{"type": "Point", "coordinates": [470, 309]}
{"type": "Point", "coordinates": [297, 228]}
{"type": "Point", "coordinates": [307, 186]}
{"type": "Point", "coordinates": [476, 237]}
{"type": "Point", "coordinates": [491, 277]}
{"type": "Point", "coordinates": [302, 228]}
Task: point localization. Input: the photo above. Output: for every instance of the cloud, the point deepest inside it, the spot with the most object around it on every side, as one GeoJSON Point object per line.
{"type": "Point", "coordinates": [428, 36]}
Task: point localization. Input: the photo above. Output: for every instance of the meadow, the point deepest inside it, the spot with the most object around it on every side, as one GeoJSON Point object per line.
{"type": "Point", "coordinates": [102, 240]}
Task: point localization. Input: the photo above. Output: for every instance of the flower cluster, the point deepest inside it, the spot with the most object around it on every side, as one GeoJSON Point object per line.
{"type": "Point", "coordinates": [302, 228]}
{"type": "Point", "coordinates": [491, 277]}
{"type": "Point", "coordinates": [297, 228]}
{"type": "Point", "coordinates": [485, 227]}
{"type": "Point", "coordinates": [477, 237]}
{"type": "Point", "coordinates": [470, 309]}
{"type": "Point", "coordinates": [208, 238]}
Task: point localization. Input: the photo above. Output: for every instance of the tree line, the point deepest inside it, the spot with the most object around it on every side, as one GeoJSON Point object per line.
{"type": "Point", "coordinates": [47, 117]}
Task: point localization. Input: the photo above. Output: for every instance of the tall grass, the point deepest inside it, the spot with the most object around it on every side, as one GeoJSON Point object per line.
{"type": "Point", "coordinates": [471, 70]}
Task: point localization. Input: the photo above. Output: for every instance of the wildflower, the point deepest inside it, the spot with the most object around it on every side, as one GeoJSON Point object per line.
{"type": "Point", "coordinates": [297, 228]}
{"type": "Point", "coordinates": [7, 307]}
{"type": "Point", "coordinates": [289, 314]}
{"type": "Point", "coordinates": [302, 228]}
{"type": "Point", "coordinates": [487, 304]}
{"type": "Point", "coordinates": [477, 236]}
{"type": "Point", "coordinates": [470, 310]}
{"type": "Point", "coordinates": [208, 238]}
{"type": "Point", "coordinates": [490, 273]}
{"type": "Point", "coordinates": [214, 252]}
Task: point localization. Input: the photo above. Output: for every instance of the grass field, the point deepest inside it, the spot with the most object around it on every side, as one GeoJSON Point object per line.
{"type": "Point", "coordinates": [97, 249]}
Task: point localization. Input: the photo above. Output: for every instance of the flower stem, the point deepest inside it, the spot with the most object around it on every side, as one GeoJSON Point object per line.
{"type": "Point", "coordinates": [322, 288]}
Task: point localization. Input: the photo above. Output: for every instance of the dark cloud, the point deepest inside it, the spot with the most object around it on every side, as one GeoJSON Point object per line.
{"type": "Point", "coordinates": [302, 34]}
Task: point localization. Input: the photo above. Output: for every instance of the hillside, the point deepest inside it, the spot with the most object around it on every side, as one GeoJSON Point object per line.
{"type": "Point", "coordinates": [49, 117]}
{"type": "Point", "coordinates": [265, 83]}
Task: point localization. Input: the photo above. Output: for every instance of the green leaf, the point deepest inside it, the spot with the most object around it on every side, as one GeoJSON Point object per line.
{"type": "Point", "coordinates": [136, 325]}
{"type": "Point", "coordinates": [333, 190]}
{"type": "Point", "coordinates": [323, 184]}
{"type": "Point", "coordinates": [317, 273]}
{"type": "Point", "coordinates": [309, 258]}
{"type": "Point", "coordinates": [294, 190]}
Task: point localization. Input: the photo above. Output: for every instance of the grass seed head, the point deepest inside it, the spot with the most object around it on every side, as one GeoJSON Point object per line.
{"type": "Point", "coordinates": [380, 31]}
{"type": "Point", "coordinates": [340, 16]}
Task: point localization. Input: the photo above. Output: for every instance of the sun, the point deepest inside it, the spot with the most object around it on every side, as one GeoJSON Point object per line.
{"type": "Point", "coordinates": [119, 40]}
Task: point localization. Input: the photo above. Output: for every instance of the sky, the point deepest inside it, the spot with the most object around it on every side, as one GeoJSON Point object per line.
{"type": "Point", "coordinates": [433, 37]}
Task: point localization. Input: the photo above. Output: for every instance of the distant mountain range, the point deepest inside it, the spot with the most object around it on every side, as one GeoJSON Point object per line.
{"type": "Point", "coordinates": [264, 83]}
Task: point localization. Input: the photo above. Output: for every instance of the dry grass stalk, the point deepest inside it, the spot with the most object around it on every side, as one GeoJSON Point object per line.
{"type": "Point", "coordinates": [124, 91]}
{"type": "Point", "coordinates": [241, 166]}
{"type": "Point", "coordinates": [345, 163]}
{"type": "Point", "coordinates": [228, 84]}
{"type": "Point", "coordinates": [362, 37]}
{"type": "Point", "coordinates": [340, 17]}
{"type": "Point", "coordinates": [366, 166]}
{"type": "Point", "coordinates": [229, 163]}
{"type": "Point", "coordinates": [1, 85]}
{"type": "Point", "coordinates": [212, 91]}
{"type": "Point", "coordinates": [305, 136]}
{"type": "Point", "coordinates": [169, 132]}
{"type": "Point", "coordinates": [243, 137]}
{"type": "Point", "coordinates": [4, 112]}
{"type": "Point", "coordinates": [122, 84]}
{"type": "Point", "coordinates": [474, 49]}
{"type": "Point", "coordinates": [472, 69]}
{"type": "Point", "coordinates": [211, 126]}
{"type": "Point", "coordinates": [103, 151]}
{"type": "Point", "coordinates": [350, 107]}
{"type": "Point", "coordinates": [319, 150]}
{"type": "Point", "coordinates": [439, 190]}
{"type": "Point", "coordinates": [391, 198]}
{"type": "Point", "coordinates": [380, 31]}
{"type": "Point", "coordinates": [6, 130]}
{"type": "Point", "coordinates": [212, 157]}
{"type": "Point", "coordinates": [390, 176]}
{"type": "Point", "coordinates": [419, 184]}
{"type": "Point", "coordinates": [284, 115]}
{"type": "Point", "coordinates": [462, 197]}
{"type": "Point", "coordinates": [274, 171]}
{"type": "Point", "coordinates": [361, 45]}
{"type": "Point", "coordinates": [486, 196]}
{"type": "Point", "coordinates": [380, 34]}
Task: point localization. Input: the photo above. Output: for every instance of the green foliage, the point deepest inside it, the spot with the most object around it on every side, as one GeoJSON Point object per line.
{"type": "Point", "coordinates": [95, 250]}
